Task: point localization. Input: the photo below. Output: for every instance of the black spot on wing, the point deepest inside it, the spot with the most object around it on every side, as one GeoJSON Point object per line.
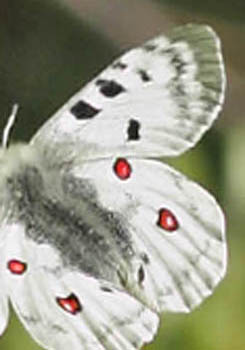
{"type": "Point", "coordinates": [149, 47]}
{"type": "Point", "coordinates": [133, 130]}
{"type": "Point", "coordinates": [83, 110]}
{"type": "Point", "coordinates": [110, 88]}
{"type": "Point", "coordinates": [145, 258]}
{"type": "Point", "coordinates": [141, 274]}
{"type": "Point", "coordinates": [144, 75]}
{"type": "Point", "coordinates": [178, 63]}
{"type": "Point", "coordinates": [106, 289]}
{"type": "Point", "coordinates": [178, 87]}
{"type": "Point", "coordinates": [119, 65]}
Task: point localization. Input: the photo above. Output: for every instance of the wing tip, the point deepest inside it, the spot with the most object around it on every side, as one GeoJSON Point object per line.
{"type": "Point", "coordinates": [205, 45]}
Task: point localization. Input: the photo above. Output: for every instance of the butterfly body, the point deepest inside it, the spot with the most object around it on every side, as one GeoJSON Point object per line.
{"type": "Point", "coordinates": [97, 238]}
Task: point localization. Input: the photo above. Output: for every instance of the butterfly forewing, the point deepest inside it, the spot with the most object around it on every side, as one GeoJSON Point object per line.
{"type": "Point", "coordinates": [155, 100]}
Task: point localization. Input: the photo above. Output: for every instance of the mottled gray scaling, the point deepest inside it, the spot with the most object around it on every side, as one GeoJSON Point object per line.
{"type": "Point", "coordinates": [73, 223]}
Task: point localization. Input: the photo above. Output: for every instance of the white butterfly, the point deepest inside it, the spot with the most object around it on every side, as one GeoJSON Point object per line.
{"type": "Point", "coordinates": [97, 239]}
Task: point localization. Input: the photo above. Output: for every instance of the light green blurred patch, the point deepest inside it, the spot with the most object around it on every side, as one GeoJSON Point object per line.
{"type": "Point", "coordinates": [16, 337]}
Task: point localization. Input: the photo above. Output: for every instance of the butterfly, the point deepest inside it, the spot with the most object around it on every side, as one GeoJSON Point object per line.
{"type": "Point", "coordinates": [98, 237]}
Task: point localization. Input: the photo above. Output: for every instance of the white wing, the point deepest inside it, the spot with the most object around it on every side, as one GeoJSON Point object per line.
{"type": "Point", "coordinates": [4, 308]}
{"type": "Point", "coordinates": [176, 226]}
{"type": "Point", "coordinates": [67, 309]}
{"type": "Point", "coordinates": [156, 100]}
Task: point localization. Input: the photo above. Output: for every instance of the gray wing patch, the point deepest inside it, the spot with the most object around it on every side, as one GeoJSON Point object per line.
{"type": "Point", "coordinates": [67, 215]}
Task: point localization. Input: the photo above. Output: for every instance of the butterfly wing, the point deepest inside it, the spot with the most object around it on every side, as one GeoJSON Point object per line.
{"type": "Point", "coordinates": [4, 308]}
{"type": "Point", "coordinates": [155, 100]}
{"type": "Point", "coordinates": [4, 311]}
{"type": "Point", "coordinates": [177, 229]}
{"type": "Point", "coordinates": [62, 308]}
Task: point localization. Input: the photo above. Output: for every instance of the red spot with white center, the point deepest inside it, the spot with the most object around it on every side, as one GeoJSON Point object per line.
{"type": "Point", "coordinates": [122, 168]}
{"type": "Point", "coordinates": [167, 220]}
{"type": "Point", "coordinates": [17, 267]}
{"type": "Point", "coordinates": [70, 304]}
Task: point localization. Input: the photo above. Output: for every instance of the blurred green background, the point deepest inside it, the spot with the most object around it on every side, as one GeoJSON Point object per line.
{"type": "Point", "coordinates": [48, 49]}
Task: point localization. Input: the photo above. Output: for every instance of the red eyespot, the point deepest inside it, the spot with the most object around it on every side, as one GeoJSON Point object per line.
{"type": "Point", "coordinates": [167, 220]}
{"type": "Point", "coordinates": [70, 304]}
{"type": "Point", "coordinates": [122, 168]}
{"type": "Point", "coordinates": [17, 267]}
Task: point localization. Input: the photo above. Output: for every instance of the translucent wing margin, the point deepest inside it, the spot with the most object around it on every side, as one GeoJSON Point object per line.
{"type": "Point", "coordinates": [177, 227]}
{"type": "Point", "coordinates": [155, 100]}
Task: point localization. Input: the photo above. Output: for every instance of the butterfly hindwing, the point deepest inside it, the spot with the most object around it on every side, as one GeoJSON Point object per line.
{"type": "Point", "coordinates": [155, 100]}
{"type": "Point", "coordinates": [62, 307]}
{"type": "Point", "coordinates": [176, 227]}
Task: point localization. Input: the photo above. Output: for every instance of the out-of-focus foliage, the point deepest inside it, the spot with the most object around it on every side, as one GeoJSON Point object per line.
{"type": "Point", "coordinates": [231, 10]}
{"type": "Point", "coordinates": [46, 54]}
